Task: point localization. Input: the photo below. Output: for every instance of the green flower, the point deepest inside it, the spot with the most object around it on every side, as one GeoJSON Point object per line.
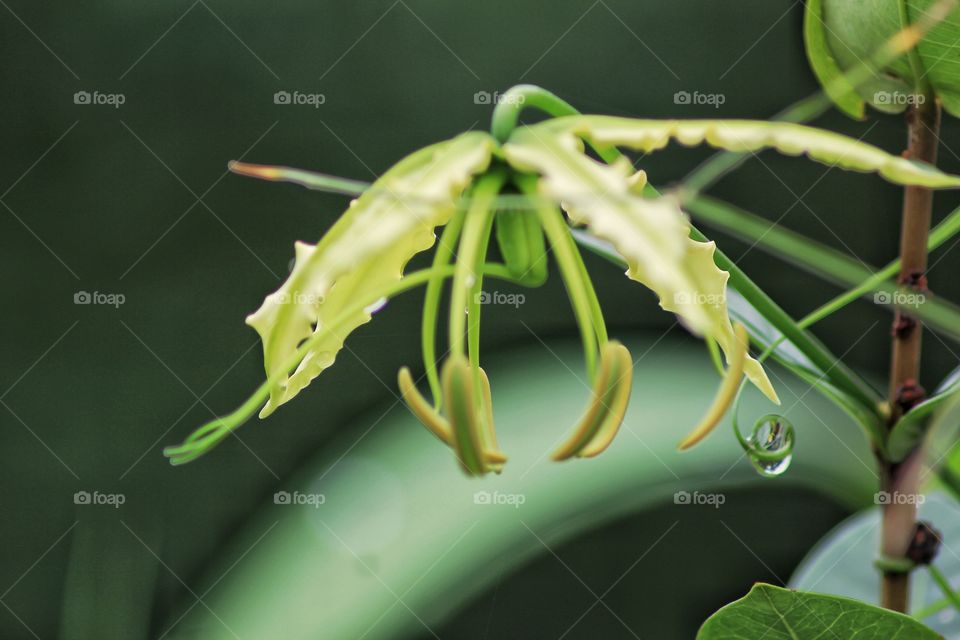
{"type": "Point", "coordinates": [525, 187]}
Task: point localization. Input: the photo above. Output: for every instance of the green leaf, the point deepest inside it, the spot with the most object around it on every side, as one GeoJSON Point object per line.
{"type": "Point", "coordinates": [853, 30]}
{"type": "Point", "coordinates": [830, 264]}
{"type": "Point", "coordinates": [907, 434]}
{"type": "Point", "coordinates": [651, 234]}
{"type": "Point", "coordinates": [774, 613]}
{"type": "Point", "coordinates": [827, 147]}
{"type": "Point", "coordinates": [825, 66]}
{"type": "Point", "coordinates": [842, 563]}
{"type": "Point", "coordinates": [367, 248]}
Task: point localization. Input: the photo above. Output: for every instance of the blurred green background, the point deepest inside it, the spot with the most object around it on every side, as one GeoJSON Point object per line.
{"type": "Point", "coordinates": [134, 200]}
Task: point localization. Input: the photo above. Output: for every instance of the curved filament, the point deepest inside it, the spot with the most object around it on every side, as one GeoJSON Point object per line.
{"type": "Point", "coordinates": [434, 422]}
{"type": "Point", "coordinates": [726, 393]}
{"type": "Point", "coordinates": [611, 393]}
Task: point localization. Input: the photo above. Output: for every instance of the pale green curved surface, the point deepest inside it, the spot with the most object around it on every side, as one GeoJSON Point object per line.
{"type": "Point", "coordinates": [842, 563]}
{"type": "Point", "coordinates": [400, 519]}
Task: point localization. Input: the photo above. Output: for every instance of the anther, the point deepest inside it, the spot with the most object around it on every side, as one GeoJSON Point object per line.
{"type": "Point", "coordinates": [437, 424]}
{"type": "Point", "coordinates": [604, 415]}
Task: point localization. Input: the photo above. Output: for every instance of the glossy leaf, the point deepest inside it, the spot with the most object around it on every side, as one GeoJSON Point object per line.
{"type": "Point", "coordinates": [775, 613]}
{"type": "Point", "coordinates": [824, 64]}
{"type": "Point", "coordinates": [852, 31]}
{"type": "Point", "coordinates": [842, 562]}
{"type": "Point", "coordinates": [907, 434]}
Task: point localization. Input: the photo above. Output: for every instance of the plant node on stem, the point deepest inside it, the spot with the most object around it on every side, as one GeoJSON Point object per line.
{"type": "Point", "coordinates": [900, 481]}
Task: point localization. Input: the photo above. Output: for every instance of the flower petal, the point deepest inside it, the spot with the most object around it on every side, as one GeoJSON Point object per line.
{"type": "Point", "coordinates": [367, 248]}
{"type": "Point", "coordinates": [652, 235]}
{"type": "Point", "coordinates": [788, 138]}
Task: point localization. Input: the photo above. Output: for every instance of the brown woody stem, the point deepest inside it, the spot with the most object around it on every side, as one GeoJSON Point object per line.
{"type": "Point", "coordinates": [900, 481]}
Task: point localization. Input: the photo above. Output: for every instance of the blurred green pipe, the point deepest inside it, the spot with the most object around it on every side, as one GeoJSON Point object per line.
{"type": "Point", "coordinates": [403, 539]}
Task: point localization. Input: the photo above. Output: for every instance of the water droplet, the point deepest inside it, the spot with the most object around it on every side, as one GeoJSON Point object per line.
{"type": "Point", "coordinates": [376, 306]}
{"type": "Point", "coordinates": [470, 280]}
{"type": "Point", "coordinates": [771, 435]}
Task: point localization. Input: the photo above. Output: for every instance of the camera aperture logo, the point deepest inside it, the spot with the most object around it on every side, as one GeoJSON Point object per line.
{"type": "Point", "coordinates": [714, 500]}
{"type": "Point", "coordinates": [486, 97]}
{"type": "Point", "coordinates": [97, 298]}
{"type": "Point", "coordinates": [900, 98]}
{"type": "Point", "coordinates": [885, 498]}
{"type": "Point", "coordinates": [495, 297]}
{"type": "Point", "coordinates": [697, 98]}
{"type": "Point", "coordinates": [899, 298]}
{"type": "Point", "coordinates": [299, 99]}
{"type": "Point", "coordinates": [95, 98]}
{"type": "Point", "coordinates": [95, 498]}
{"type": "Point", "coordinates": [499, 498]}
{"type": "Point", "coordinates": [296, 498]}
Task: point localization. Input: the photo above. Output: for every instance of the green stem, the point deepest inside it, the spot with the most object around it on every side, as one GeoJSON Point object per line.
{"type": "Point", "coordinates": [929, 610]}
{"type": "Point", "coordinates": [941, 580]}
{"type": "Point", "coordinates": [833, 368]}
{"type": "Point", "coordinates": [828, 263]}
{"type": "Point", "coordinates": [528, 185]}
{"type": "Point", "coordinates": [210, 434]}
{"type": "Point", "coordinates": [715, 356]}
{"type": "Point", "coordinates": [473, 318]}
{"type": "Point", "coordinates": [473, 241]}
{"type": "Point", "coordinates": [506, 114]}
{"type": "Point", "coordinates": [431, 303]}
{"type": "Point", "coordinates": [558, 234]}
{"type": "Point", "coordinates": [835, 371]}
